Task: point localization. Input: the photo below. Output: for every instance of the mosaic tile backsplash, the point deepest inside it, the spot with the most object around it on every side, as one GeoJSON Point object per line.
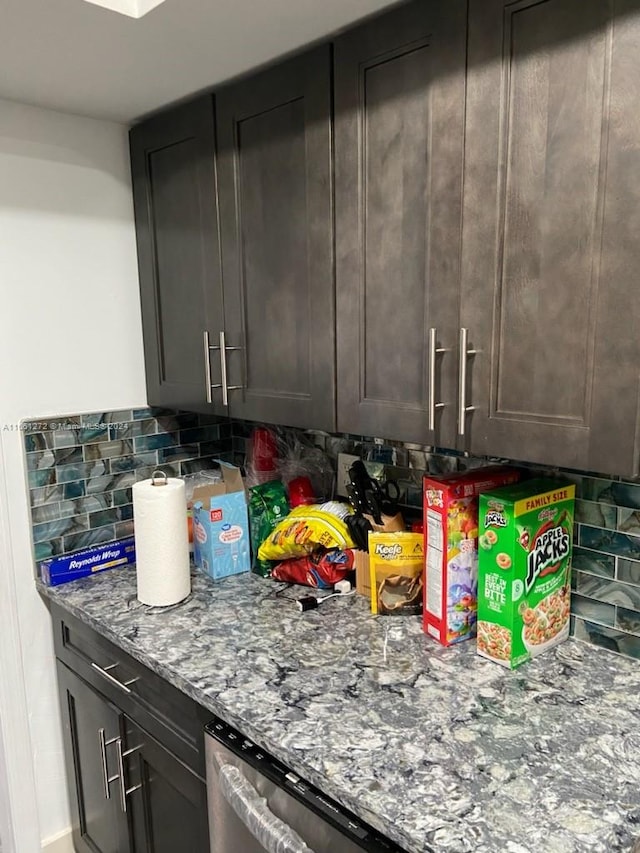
{"type": "Point", "coordinates": [81, 469]}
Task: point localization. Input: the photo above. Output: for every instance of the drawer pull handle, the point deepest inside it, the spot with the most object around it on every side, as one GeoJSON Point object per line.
{"type": "Point", "coordinates": [110, 678]}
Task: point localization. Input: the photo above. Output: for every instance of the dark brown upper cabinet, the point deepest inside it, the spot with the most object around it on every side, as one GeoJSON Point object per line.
{"type": "Point", "coordinates": [485, 159]}
{"type": "Point", "coordinates": [175, 200]}
{"type": "Point", "coordinates": [276, 214]}
{"type": "Point", "coordinates": [550, 248]}
{"type": "Point", "coordinates": [399, 130]}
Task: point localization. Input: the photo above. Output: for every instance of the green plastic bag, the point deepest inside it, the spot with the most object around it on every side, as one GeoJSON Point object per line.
{"type": "Point", "coordinates": [268, 505]}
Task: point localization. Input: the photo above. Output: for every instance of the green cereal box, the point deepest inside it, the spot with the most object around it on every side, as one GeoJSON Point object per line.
{"type": "Point", "coordinates": [525, 538]}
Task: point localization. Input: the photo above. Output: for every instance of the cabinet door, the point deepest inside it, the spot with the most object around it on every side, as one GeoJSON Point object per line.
{"type": "Point", "coordinates": [274, 140]}
{"type": "Point", "coordinates": [90, 727]}
{"type": "Point", "coordinates": [174, 190]}
{"type": "Point", "coordinates": [399, 104]}
{"type": "Point", "coordinates": [551, 217]}
{"type": "Point", "coordinates": [166, 802]}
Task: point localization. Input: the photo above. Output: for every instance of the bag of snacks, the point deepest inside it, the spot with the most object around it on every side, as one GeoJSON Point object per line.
{"type": "Point", "coordinates": [322, 569]}
{"type": "Point", "coordinates": [268, 505]}
{"type": "Point", "coordinates": [396, 563]}
{"type": "Point", "coordinates": [306, 529]}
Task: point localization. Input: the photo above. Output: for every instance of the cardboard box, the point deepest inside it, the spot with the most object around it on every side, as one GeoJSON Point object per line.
{"type": "Point", "coordinates": [363, 575]}
{"type": "Point", "coordinates": [221, 526]}
{"type": "Point", "coordinates": [88, 561]}
{"type": "Point", "coordinates": [451, 549]}
{"type": "Point", "coordinates": [526, 536]}
{"type": "Point", "coordinates": [389, 524]}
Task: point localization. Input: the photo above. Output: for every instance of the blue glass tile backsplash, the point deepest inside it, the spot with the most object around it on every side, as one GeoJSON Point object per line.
{"type": "Point", "coordinates": [81, 468]}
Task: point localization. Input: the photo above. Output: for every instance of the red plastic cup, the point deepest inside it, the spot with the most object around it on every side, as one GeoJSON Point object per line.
{"type": "Point", "coordinates": [300, 492]}
{"type": "Point", "coordinates": [264, 450]}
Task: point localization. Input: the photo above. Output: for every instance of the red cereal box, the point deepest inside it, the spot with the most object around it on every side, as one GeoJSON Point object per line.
{"type": "Point", "coordinates": [450, 506]}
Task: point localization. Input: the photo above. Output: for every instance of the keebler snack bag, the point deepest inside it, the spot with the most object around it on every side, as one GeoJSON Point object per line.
{"type": "Point", "coordinates": [526, 534]}
{"type": "Point", "coordinates": [451, 549]}
{"type": "Point", "coordinates": [396, 563]}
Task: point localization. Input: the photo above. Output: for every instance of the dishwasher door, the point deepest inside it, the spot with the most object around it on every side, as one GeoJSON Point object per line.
{"type": "Point", "coordinates": [257, 805]}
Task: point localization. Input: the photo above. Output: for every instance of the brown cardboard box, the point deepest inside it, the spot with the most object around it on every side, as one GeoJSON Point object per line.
{"type": "Point", "coordinates": [390, 524]}
{"type": "Point", "coordinates": [363, 577]}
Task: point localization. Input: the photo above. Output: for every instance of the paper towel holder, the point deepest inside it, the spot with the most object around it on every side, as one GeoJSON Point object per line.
{"type": "Point", "coordinates": [161, 476]}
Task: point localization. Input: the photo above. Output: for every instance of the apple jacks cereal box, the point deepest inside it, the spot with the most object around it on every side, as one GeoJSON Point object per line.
{"type": "Point", "coordinates": [451, 550]}
{"type": "Point", "coordinates": [524, 569]}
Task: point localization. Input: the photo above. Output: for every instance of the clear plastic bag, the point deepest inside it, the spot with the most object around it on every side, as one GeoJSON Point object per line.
{"type": "Point", "coordinates": [278, 453]}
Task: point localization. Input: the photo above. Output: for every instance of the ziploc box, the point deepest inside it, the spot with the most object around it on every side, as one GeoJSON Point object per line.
{"type": "Point", "coordinates": [526, 534]}
{"type": "Point", "coordinates": [451, 550]}
{"type": "Point", "coordinates": [81, 564]}
{"type": "Point", "coordinates": [221, 525]}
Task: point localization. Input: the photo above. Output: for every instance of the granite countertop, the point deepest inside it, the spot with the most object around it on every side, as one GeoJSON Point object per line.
{"type": "Point", "coordinates": [439, 749]}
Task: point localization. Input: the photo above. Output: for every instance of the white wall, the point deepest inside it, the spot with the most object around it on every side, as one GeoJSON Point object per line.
{"type": "Point", "coordinates": [70, 341]}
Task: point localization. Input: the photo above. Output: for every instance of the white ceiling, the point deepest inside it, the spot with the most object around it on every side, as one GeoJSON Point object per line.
{"type": "Point", "coordinates": [78, 57]}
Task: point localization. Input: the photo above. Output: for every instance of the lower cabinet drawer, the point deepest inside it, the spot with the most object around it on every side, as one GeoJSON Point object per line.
{"type": "Point", "coordinates": [170, 716]}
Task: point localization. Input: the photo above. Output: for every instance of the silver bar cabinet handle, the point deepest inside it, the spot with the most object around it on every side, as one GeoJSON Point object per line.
{"type": "Point", "coordinates": [106, 779]}
{"type": "Point", "coordinates": [465, 352]}
{"type": "Point", "coordinates": [207, 366]}
{"type": "Point", "coordinates": [123, 785]}
{"type": "Point", "coordinates": [224, 349]}
{"type": "Point", "coordinates": [433, 351]}
{"type": "Point", "coordinates": [110, 678]}
{"type": "Point", "coordinates": [223, 370]}
{"type": "Point", "coordinates": [124, 791]}
{"type": "Point", "coordinates": [103, 761]}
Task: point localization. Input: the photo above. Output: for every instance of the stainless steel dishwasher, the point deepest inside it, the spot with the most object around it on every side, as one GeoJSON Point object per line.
{"type": "Point", "coordinates": [256, 804]}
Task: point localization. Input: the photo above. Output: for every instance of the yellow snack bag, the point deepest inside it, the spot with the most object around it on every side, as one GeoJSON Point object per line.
{"type": "Point", "coordinates": [396, 563]}
{"type": "Point", "coordinates": [306, 529]}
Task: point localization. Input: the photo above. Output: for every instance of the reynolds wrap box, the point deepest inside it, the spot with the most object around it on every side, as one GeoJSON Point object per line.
{"type": "Point", "coordinates": [87, 562]}
{"type": "Point", "coordinates": [526, 534]}
{"type": "Point", "coordinates": [221, 525]}
{"type": "Point", "coordinates": [451, 550]}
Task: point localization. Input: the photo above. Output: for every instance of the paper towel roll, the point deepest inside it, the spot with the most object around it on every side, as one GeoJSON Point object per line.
{"type": "Point", "coordinates": [162, 547]}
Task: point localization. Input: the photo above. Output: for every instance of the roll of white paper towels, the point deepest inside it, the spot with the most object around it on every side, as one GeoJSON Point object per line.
{"type": "Point", "coordinates": [162, 542]}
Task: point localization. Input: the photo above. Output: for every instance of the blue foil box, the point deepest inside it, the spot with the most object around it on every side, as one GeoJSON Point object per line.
{"type": "Point", "coordinates": [87, 562]}
{"type": "Point", "coordinates": [221, 526]}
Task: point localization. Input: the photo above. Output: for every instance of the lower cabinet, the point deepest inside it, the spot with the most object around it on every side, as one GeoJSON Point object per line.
{"type": "Point", "coordinates": [134, 749]}
{"type": "Point", "coordinates": [128, 792]}
{"type": "Point", "coordinates": [91, 731]}
{"type": "Point", "coordinates": [167, 803]}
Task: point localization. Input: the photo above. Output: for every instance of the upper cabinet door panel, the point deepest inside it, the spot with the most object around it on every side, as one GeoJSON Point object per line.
{"type": "Point", "coordinates": [538, 110]}
{"type": "Point", "coordinates": [399, 100]}
{"type": "Point", "coordinates": [174, 186]}
{"type": "Point", "coordinates": [549, 185]}
{"type": "Point", "coordinates": [615, 447]}
{"type": "Point", "coordinates": [274, 138]}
